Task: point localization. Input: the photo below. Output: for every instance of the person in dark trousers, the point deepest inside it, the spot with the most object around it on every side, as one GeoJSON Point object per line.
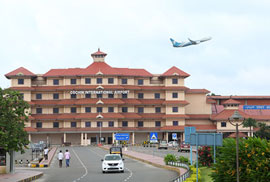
{"type": "Point", "coordinates": [60, 158]}
{"type": "Point", "coordinates": [67, 157]}
{"type": "Point", "coordinates": [46, 151]}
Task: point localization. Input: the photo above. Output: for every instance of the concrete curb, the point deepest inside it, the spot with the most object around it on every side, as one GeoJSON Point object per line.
{"type": "Point", "coordinates": [41, 165]}
{"type": "Point", "coordinates": [151, 163]}
{"type": "Point", "coordinates": [31, 178]}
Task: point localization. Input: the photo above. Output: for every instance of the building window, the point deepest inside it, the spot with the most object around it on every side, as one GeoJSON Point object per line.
{"type": "Point", "coordinates": [88, 96]}
{"type": "Point", "coordinates": [87, 109]}
{"type": "Point", "coordinates": [55, 110]}
{"type": "Point", "coordinates": [73, 124]}
{"type": "Point", "coordinates": [55, 96]}
{"type": "Point", "coordinates": [111, 124]}
{"type": "Point", "coordinates": [99, 80]}
{"type": "Point", "coordinates": [157, 95]}
{"type": "Point", "coordinates": [39, 124]}
{"type": "Point", "coordinates": [110, 109]}
{"type": "Point", "coordinates": [56, 124]}
{"type": "Point", "coordinates": [124, 109]}
{"type": "Point", "coordinates": [124, 124]}
{"type": "Point", "coordinates": [175, 123]}
{"type": "Point", "coordinates": [55, 82]}
{"type": "Point", "coordinates": [99, 109]}
{"type": "Point", "coordinates": [39, 110]}
{"type": "Point", "coordinates": [87, 80]}
{"type": "Point", "coordinates": [73, 109]}
{"type": "Point", "coordinates": [174, 81]}
{"type": "Point", "coordinates": [99, 95]}
{"type": "Point", "coordinates": [73, 96]}
{"type": "Point", "coordinates": [124, 81]}
{"type": "Point", "coordinates": [99, 124]}
{"type": "Point", "coordinates": [124, 96]}
{"type": "Point", "coordinates": [140, 110]}
{"type": "Point", "coordinates": [174, 95]}
{"type": "Point", "coordinates": [110, 80]}
{"type": "Point", "coordinates": [87, 124]}
{"type": "Point", "coordinates": [223, 124]}
{"type": "Point", "coordinates": [158, 123]}
{"type": "Point", "coordinates": [140, 123]}
{"type": "Point", "coordinates": [140, 95]}
{"type": "Point", "coordinates": [20, 81]}
{"type": "Point", "coordinates": [73, 81]}
{"type": "Point", "coordinates": [111, 96]}
{"type": "Point", "coordinates": [140, 82]}
{"type": "Point", "coordinates": [158, 109]}
{"type": "Point", "coordinates": [38, 96]}
{"type": "Point", "coordinates": [175, 109]}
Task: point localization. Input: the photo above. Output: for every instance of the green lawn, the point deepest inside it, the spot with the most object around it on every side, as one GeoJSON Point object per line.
{"type": "Point", "coordinates": [205, 171]}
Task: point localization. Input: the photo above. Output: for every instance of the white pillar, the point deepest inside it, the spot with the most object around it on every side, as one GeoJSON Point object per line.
{"type": "Point", "coordinates": [65, 137]}
{"type": "Point", "coordinates": [167, 136]}
{"type": "Point", "coordinates": [85, 139]}
{"type": "Point", "coordinates": [133, 138]}
{"type": "Point", "coordinates": [82, 143]}
{"type": "Point", "coordinates": [30, 137]}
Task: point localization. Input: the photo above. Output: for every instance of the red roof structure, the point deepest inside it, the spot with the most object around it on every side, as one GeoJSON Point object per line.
{"type": "Point", "coordinates": [231, 101]}
{"type": "Point", "coordinates": [174, 71]}
{"type": "Point", "coordinates": [20, 72]}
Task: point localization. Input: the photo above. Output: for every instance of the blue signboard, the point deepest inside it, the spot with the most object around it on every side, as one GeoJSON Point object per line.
{"type": "Point", "coordinates": [188, 131]}
{"type": "Point", "coordinates": [174, 136]}
{"type": "Point", "coordinates": [121, 136]}
{"type": "Point", "coordinates": [153, 137]}
{"type": "Point", "coordinates": [256, 107]}
{"type": "Point", "coordinates": [206, 139]}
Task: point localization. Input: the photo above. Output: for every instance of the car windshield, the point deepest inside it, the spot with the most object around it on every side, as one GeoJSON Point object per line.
{"type": "Point", "coordinates": [163, 142]}
{"type": "Point", "coordinates": [112, 157]}
{"type": "Point", "coordinates": [116, 149]}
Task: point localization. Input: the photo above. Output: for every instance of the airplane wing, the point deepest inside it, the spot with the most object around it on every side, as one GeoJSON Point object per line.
{"type": "Point", "coordinates": [205, 39]}
{"type": "Point", "coordinates": [193, 41]}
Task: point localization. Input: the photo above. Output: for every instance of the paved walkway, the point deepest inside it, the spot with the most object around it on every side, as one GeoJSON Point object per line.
{"type": "Point", "coordinates": [50, 157]}
{"type": "Point", "coordinates": [150, 159]}
{"type": "Point", "coordinates": [20, 176]}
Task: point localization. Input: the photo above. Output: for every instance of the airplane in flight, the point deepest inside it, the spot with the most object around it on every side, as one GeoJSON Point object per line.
{"type": "Point", "coordinates": [191, 42]}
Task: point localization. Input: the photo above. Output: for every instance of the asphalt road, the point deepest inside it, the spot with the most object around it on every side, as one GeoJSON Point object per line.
{"type": "Point", "coordinates": [85, 166]}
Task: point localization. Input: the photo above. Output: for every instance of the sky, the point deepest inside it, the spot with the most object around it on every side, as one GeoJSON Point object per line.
{"type": "Point", "coordinates": [42, 34]}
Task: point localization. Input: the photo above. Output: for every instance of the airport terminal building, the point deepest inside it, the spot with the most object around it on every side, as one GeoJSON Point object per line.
{"type": "Point", "coordinates": [83, 105]}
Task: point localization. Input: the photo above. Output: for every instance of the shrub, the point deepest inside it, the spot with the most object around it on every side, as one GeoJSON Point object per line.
{"type": "Point", "coordinates": [169, 158]}
{"type": "Point", "coordinates": [205, 156]}
{"type": "Point", "coordinates": [183, 159]}
{"type": "Point", "coordinates": [254, 160]}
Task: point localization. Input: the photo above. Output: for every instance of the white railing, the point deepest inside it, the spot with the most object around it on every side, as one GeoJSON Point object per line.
{"type": "Point", "coordinates": [182, 177]}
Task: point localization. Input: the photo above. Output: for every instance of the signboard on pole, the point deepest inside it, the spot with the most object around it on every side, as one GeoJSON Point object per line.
{"type": "Point", "coordinates": [121, 136]}
{"type": "Point", "coordinates": [206, 139]}
{"type": "Point", "coordinates": [256, 107]}
{"type": "Point", "coordinates": [153, 137]}
{"type": "Point", "coordinates": [188, 131]}
{"type": "Point", "coordinates": [174, 136]}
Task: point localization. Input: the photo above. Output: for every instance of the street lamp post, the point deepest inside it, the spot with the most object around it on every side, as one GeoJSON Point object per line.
{"type": "Point", "coordinates": [234, 120]}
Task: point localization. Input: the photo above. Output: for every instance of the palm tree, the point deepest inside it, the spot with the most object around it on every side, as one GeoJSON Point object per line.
{"type": "Point", "coordinates": [249, 123]}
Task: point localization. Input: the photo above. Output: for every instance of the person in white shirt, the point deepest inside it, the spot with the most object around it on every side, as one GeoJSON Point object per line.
{"type": "Point", "coordinates": [60, 158]}
{"type": "Point", "coordinates": [46, 151]}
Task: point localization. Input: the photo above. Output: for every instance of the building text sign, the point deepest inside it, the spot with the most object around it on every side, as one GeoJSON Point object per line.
{"type": "Point", "coordinates": [256, 107]}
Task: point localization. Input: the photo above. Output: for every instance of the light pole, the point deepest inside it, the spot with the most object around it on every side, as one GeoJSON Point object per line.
{"type": "Point", "coordinates": [236, 120]}
{"type": "Point", "coordinates": [100, 132]}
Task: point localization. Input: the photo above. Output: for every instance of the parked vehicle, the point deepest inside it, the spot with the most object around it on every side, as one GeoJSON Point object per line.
{"type": "Point", "coordinates": [163, 145]}
{"type": "Point", "coordinates": [112, 162]}
{"type": "Point", "coordinates": [116, 150]}
{"type": "Point", "coordinates": [184, 147]}
{"type": "Point", "coordinates": [173, 144]}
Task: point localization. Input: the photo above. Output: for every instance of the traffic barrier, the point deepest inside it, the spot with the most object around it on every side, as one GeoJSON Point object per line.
{"type": "Point", "coordinates": [184, 176]}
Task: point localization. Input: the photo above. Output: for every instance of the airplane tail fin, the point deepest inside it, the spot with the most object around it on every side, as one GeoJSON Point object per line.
{"type": "Point", "coordinates": [174, 43]}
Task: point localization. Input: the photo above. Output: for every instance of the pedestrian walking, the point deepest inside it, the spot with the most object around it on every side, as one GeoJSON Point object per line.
{"type": "Point", "coordinates": [67, 157]}
{"type": "Point", "coordinates": [60, 158]}
{"type": "Point", "coordinates": [46, 151]}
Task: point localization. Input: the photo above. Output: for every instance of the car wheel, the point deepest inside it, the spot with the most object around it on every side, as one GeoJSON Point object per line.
{"type": "Point", "coordinates": [103, 172]}
{"type": "Point", "coordinates": [122, 171]}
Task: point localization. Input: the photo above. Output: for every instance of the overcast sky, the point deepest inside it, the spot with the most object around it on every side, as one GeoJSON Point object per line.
{"type": "Point", "coordinates": [41, 35]}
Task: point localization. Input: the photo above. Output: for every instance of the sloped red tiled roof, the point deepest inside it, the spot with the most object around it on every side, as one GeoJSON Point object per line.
{"type": "Point", "coordinates": [20, 71]}
{"type": "Point", "coordinates": [175, 71]}
{"type": "Point", "coordinates": [30, 129]}
{"type": "Point", "coordinates": [231, 101]}
{"type": "Point", "coordinates": [210, 101]}
{"type": "Point", "coordinates": [180, 102]}
{"type": "Point", "coordinates": [152, 115]}
{"type": "Point", "coordinates": [240, 134]}
{"type": "Point", "coordinates": [131, 115]}
{"type": "Point", "coordinates": [175, 116]}
{"type": "Point", "coordinates": [226, 113]}
{"type": "Point", "coordinates": [181, 128]}
{"type": "Point", "coordinates": [98, 53]}
{"type": "Point", "coordinates": [197, 91]}
{"type": "Point", "coordinates": [133, 72]}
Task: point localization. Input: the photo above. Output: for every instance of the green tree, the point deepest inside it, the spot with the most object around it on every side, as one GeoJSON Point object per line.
{"type": "Point", "coordinates": [250, 122]}
{"type": "Point", "coordinates": [264, 131]}
{"type": "Point", "coordinates": [254, 163]}
{"type": "Point", "coordinates": [13, 114]}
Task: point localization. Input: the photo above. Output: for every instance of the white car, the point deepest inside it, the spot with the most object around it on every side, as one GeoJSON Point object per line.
{"type": "Point", "coordinates": [173, 144]}
{"type": "Point", "coordinates": [112, 162]}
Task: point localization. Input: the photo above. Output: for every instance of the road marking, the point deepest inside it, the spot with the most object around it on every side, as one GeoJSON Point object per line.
{"type": "Point", "coordinates": [86, 170]}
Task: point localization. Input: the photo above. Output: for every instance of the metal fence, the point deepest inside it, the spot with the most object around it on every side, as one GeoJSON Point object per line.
{"type": "Point", "coordinates": [182, 177]}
